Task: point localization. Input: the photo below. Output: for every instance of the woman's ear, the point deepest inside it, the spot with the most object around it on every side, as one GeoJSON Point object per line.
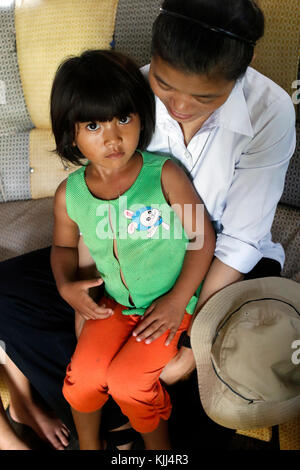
{"type": "Point", "coordinates": [253, 58]}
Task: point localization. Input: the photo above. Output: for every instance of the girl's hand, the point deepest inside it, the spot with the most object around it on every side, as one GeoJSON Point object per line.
{"type": "Point", "coordinates": [77, 295]}
{"type": "Point", "coordinates": [163, 314]}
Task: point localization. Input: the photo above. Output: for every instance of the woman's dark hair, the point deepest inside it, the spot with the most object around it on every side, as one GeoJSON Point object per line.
{"type": "Point", "coordinates": [98, 86]}
{"type": "Point", "coordinates": [189, 47]}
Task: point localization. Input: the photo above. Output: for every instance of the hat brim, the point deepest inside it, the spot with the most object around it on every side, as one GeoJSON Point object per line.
{"type": "Point", "coordinates": [228, 409]}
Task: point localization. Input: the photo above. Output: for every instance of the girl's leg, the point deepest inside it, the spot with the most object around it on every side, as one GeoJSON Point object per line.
{"type": "Point", "coordinates": [85, 384]}
{"type": "Point", "coordinates": [133, 382]}
{"type": "Point", "coordinates": [159, 438]}
{"type": "Point", "coordinates": [88, 427]}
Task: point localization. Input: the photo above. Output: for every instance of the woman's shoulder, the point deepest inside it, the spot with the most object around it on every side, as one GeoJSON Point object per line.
{"type": "Point", "coordinates": [269, 106]}
{"type": "Point", "coordinates": [259, 88]}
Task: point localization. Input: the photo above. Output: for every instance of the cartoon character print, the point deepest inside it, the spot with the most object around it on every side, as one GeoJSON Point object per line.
{"type": "Point", "coordinates": [146, 218]}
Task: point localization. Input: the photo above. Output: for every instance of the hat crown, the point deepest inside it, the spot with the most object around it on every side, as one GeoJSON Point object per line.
{"type": "Point", "coordinates": [244, 341]}
{"type": "Point", "coordinates": [250, 355]}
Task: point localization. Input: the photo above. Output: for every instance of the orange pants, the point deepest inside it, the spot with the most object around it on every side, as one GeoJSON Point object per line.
{"type": "Point", "coordinates": [109, 360]}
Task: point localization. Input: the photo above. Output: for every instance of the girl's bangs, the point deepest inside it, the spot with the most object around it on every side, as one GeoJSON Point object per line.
{"type": "Point", "coordinates": [103, 102]}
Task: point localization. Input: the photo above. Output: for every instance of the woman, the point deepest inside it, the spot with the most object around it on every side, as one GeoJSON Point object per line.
{"type": "Point", "coordinates": [234, 132]}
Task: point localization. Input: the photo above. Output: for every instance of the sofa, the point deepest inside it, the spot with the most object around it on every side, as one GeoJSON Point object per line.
{"type": "Point", "coordinates": [35, 35]}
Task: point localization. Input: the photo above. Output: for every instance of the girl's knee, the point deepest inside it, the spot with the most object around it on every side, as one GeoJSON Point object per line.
{"type": "Point", "coordinates": [120, 380]}
{"type": "Point", "coordinates": [84, 390]}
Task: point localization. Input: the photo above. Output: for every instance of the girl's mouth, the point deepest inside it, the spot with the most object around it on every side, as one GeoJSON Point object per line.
{"type": "Point", "coordinates": [115, 155]}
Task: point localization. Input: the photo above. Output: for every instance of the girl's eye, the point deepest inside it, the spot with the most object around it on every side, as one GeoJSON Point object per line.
{"type": "Point", "coordinates": [93, 126]}
{"type": "Point", "coordinates": [125, 120]}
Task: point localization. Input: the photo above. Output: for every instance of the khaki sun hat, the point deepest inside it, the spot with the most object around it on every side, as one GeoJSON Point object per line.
{"type": "Point", "coordinates": [246, 343]}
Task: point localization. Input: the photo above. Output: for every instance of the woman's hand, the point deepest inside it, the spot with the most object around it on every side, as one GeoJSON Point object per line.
{"type": "Point", "coordinates": [164, 314]}
{"type": "Point", "coordinates": [179, 368]}
{"type": "Point", "coordinates": [76, 293]}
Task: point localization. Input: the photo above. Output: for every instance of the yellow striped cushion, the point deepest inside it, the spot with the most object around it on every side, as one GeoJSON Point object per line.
{"type": "Point", "coordinates": [49, 30]}
{"type": "Point", "coordinates": [289, 435]}
{"type": "Point", "coordinates": [263, 434]}
{"type": "Point", "coordinates": [4, 393]}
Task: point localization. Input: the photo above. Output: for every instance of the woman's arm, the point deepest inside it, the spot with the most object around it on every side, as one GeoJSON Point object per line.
{"type": "Point", "coordinates": [166, 313]}
{"type": "Point", "coordinates": [219, 276]}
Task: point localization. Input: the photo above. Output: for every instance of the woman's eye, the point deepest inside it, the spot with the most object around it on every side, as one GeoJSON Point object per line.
{"type": "Point", "coordinates": [93, 126]}
{"type": "Point", "coordinates": [125, 120]}
{"type": "Point", "coordinates": [164, 86]}
{"type": "Point", "coordinates": [204, 101]}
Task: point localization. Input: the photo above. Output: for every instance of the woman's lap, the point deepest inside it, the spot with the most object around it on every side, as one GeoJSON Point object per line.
{"type": "Point", "coordinates": [37, 327]}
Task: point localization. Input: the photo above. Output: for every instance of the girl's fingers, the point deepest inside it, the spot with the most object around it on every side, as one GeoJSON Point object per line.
{"type": "Point", "coordinates": [150, 330]}
{"type": "Point", "coordinates": [171, 336]}
{"type": "Point", "coordinates": [87, 284]}
{"type": "Point", "coordinates": [156, 334]}
{"type": "Point", "coordinates": [104, 313]}
{"type": "Point", "coordinates": [142, 326]}
{"type": "Point", "coordinates": [148, 311]}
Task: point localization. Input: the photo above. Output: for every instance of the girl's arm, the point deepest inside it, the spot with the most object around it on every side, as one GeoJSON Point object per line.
{"type": "Point", "coordinates": [167, 311]}
{"type": "Point", "coordinates": [64, 262]}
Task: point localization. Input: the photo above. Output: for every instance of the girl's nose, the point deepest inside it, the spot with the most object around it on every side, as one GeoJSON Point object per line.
{"type": "Point", "coordinates": [111, 135]}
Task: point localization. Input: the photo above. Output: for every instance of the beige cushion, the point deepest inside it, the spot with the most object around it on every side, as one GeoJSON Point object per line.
{"type": "Point", "coordinates": [48, 31]}
{"type": "Point", "coordinates": [25, 226]}
{"type": "Point", "coordinates": [286, 230]}
{"type": "Point", "coordinates": [46, 168]}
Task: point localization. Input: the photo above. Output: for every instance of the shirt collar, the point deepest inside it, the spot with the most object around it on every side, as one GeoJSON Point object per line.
{"type": "Point", "coordinates": [232, 115]}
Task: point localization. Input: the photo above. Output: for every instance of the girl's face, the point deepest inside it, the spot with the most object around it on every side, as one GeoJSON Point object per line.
{"type": "Point", "coordinates": [109, 144]}
{"type": "Point", "coordinates": [187, 97]}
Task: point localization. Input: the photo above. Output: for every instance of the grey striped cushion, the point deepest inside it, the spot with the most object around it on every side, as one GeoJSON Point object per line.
{"type": "Point", "coordinates": [133, 28]}
{"type": "Point", "coordinates": [14, 116]}
{"type": "Point", "coordinates": [14, 167]}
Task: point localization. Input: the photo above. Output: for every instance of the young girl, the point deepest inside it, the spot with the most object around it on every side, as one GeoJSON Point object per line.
{"type": "Point", "coordinates": [102, 110]}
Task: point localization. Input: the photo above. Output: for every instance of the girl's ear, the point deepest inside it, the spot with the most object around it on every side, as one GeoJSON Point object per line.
{"type": "Point", "coordinates": [128, 214]}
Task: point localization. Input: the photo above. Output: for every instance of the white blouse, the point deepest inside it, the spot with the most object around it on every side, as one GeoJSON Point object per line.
{"type": "Point", "coordinates": [238, 161]}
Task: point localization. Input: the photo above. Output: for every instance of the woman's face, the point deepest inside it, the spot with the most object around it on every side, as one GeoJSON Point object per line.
{"type": "Point", "coordinates": [188, 97]}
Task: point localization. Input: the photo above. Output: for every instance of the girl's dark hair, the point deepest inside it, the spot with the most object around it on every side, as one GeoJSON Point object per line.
{"type": "Point", "coordinates": [98, 86]}
{"type": "Point", "coordinates": [189, 47]}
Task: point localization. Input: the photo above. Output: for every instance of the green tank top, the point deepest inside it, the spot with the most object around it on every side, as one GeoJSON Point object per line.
{"type": "Point", "coordinates": [151, 241]}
